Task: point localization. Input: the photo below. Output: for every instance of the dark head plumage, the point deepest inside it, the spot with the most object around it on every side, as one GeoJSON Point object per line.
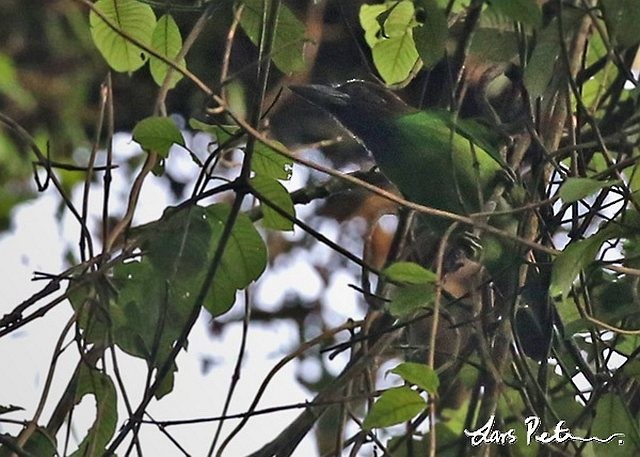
{"type": "Point", "coordinates": [354, 96]}
{"type": "Point", "coordinates": [363, 108]}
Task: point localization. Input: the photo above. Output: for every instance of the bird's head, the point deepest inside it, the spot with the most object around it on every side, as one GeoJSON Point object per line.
{"type": "Point", "coordinates": [362, 107]}
{"type": "Point", "coordinates": [356, 95]}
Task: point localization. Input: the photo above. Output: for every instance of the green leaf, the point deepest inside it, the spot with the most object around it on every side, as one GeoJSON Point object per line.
{"type": "Point", "coordinates": [178, 245]}
{"type": "Point", "coordinates": [243, 261]}
{"type": "Point", "coordinates": [431, 36]}
{"type": "Point", "coordinates": [271, 190]}
{"type": "Point", "coordinates": [184, 243]}
{"type": "Point", "coordinates": [150, 312]}
{"type": "Point", "coordinates": [394, 406]}
{"type": "Point", "coordinates": [596, 88]}
{"type": "Point", "coordinates": [627, 345]}
{"type": "Point", "coordinates": [612, 419]}
{"type": "Point", "coordinates": [419, 374]}
{"type": "Point", "coordinates": [395, 55]}
{"type": "Point", "coordinates": [135, 19]}
{"type": "Point", "coordinates": [368, 17]}
{"type": "Point", "coordinates": [157, 134]}
{"type": "Point", "coordinates": [571, 261]}
{"type": "Point", "coordinates": [574, 189]}
{"type": "Point", "coordinates": [167, 41]}
{"type": "Point", "coordinates": [158, 168]}
{"type": "Point", "coordinates": [166, 385]}
{"type": "Point", "coordinates": [91, 307]}
{"type": "Point", "coordinates": [612, 297]}
{"type": "Point", "coordinates": [570, 317]}
{"type": "Point", "coordinates": [382, 17]}
{"type": "Point", "coordinates": [410, 273]}
{"type": "Point", "coordinates": [526, 11]}
{"type": "Point", "coordinates": [494, 44]}
{"type": "Point", "coordinates": [632, 369]}
{"type": "Point", "coordinates": [598, 163]}
{"type": "Point", "coordinates": [496, 39]}
{"type": "Point", "coordinates": [40, 444]}
{"type": "Point", "coordinates": [237, 98]}
{"type": "Point", "coordinates": [289, 40]}
{"type": "Point", "coordinates": [565, 403]}
{"type": "Point", "coordinates": [622, 18]}
{"type": "Point", "coordinates": [395, 59]}
{"type": "Point", "coordinates": [145, 323]}
{"type": "Point", "coordinates": [541, 66]}
{"type": "Point", "coordinates": [575, 326]}
{"type": "Point", "coordinates": [92, 382]}
{"type": "Point", "coordinates": [267, 162]}
{"type": "Point", "coordinates": [409, 299]}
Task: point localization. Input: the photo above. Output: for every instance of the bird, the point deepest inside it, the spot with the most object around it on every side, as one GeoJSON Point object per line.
{"type": "Point", "coordinates": [452, 165]}
{"type": "Point", "coordinates": [433, 159]}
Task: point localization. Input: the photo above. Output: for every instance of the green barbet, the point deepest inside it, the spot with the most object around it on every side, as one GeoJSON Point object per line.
{"type": "Point", "coordinates": [434, 161]}
{"type": "Point", "coordinates": [450, 165]}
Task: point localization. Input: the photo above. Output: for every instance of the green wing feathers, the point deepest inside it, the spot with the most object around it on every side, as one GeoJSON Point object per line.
{"type": "Point", "coordinates": [435, 165]}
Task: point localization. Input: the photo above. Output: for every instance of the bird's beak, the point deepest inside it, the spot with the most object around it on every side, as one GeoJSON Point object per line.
{"type": "Point", "coordinates": [321, 96]}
